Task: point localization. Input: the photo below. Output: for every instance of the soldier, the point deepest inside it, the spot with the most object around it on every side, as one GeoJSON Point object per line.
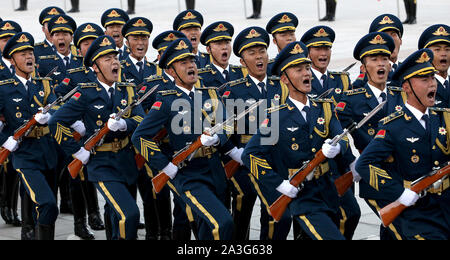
{"type": "Point", "coordinates": [46, 47]}
{"type": "Point", "coordinates": [217, 39]}
{"type": "Point", "coordinates": [35, 157]}
{"type": "Point", "coordinates": [75, 6]}
{"type": "Point", "coordinates": [201, 183]}
{"type": "Point", "coordinates": [113, 21]}
{"type": "Point", "coordinates": [83, 193]}
{"type": "Point", "coordinates": [111, 168]}
{"type": "Point", "coordinates": [390, 24]}
{"type": "Point", "coordinates": [319, 41]}
{"type": "Point", "coordinates": [190, 23]}
{"type": "Point", "coordinates": [282, 27]}
{"type": "Point", "coordinates": [137, 34]}
{"type": "Point", "coordinates": [251, 46]}
{"type": "Point", "coordinates": [300, 128]}
{"type": "Point", "coordinates": [9, 180]}
{"type": "Point", "coordinates": [373, 51]}
{"type": "Point", "coordinates": [22, 6]}
{"type": "Point", "coordinates": [257, 4]}
{"type": "Point", "coordinates": [330, 10]}
{"type": "Point", "coordinates": [61, 29]}
{"type": "Point", "coordinates": [417, 137]}
{"type": "Point", "coordinates": [437, 39]}
{"type": "Point", "coordinates": [411, 10]}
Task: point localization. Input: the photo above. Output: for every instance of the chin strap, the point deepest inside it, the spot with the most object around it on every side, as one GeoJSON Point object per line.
{"type": "Point", "coordinates": [292, 84]}
{"type": "Point", "coordinates": [171, 66]}
{"type": "Point", "coordinates": [418, 99]}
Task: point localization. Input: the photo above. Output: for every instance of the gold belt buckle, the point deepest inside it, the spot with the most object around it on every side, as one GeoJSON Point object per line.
{"type": "Point", "coordinates": [39, 132]}
{"type": "Point", "coordinates": [116, 146]}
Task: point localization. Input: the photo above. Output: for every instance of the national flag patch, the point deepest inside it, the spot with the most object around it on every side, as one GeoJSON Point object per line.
{"type": "Point", "coordinates": [265, 122]}
{"type": "Point", "coordinates": [76, 96]}
{"type": "Point", "coordinates": [341, 106]}
{"type": "Point", "coordinates": [361, 76]}
{"type": "Point", "coordinates": [142, 90]}
{"type": "Point", "coordinates": [226, 94]}
{"type": "Point", "coordinates": [381, 134]}
{"type": "Point", "coordinates": [157, 105]}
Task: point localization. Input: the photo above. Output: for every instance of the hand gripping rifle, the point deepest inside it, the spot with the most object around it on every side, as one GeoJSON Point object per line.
{"type": "Point", "coordinates": [161, 179]}
{"type": "Point", "coordinates": [232, 166]}
{"type": "Point", "coordinates": [392, 210]}
{"type": "Point", "coordinates": [279, 206]}
{"type": "Point", "coordinates": [28, 126]}
{"type": "Point", "coordinates": [75, 166]}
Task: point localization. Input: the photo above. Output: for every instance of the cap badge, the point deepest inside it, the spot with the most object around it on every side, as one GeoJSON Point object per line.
{"type": "Point", "coordinates": [297, 49]}
{"type": "Point", "coordinates": [113, 14]}
{"type": "Point", "coordinates": [140, 23]}
{"type": "Point", "coordinates": [321, 33]}
{"type": "Point", "coordinates": [441, 32]}
{"type": "Point", "coordinates": [189, 16]}
{"type": "Point", "coordinates": [7, 26]}
{"type": "Point", "coordinates": [23, 38]}
{"type": "Point", "coordinates": [61, 20]}
{"type": "Point", "coordinates": [285, 19]}
{"type": "Point", "coordinates": [181, 46]}
{"type": "Point", "coordinates": [88, 28]}
{"type": "Point", "coordinates": [386, 20]}
{"type": "Point", "coordinates": [252, 34]}
{"type": "Point", "coordinates": [171, 37]}
{"type": "Point", "coordinates": [220, 28]}
{"type": "Point", "coordinates": [105, 42]}
{"type": "Point", "coordinates": [423, 58]}
{"type": "Point", "coordinates": [378, 40]}
{"type": "Point", "coordinates": [53, 12]}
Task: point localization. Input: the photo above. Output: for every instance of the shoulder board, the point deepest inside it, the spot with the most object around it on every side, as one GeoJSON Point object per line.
{"type": "Point", "coordinates": [204, 69]}
{"type": "Point", "coordinates": [153, 78]}
{"type": "Point", "coordinates": [274, 78]}
{"type": "Point", "coordinates": [235, 66]}
{"type": "Point", "coordinates": [123, 61]}
{"type": "Point", "coordinates": [88, 85]}
{"type": "Point", "coordinates": [392, 117]}
{"type": "Point", "coordinates": [272, 60]}
{"type": "Point", "coordinates": [42, 78]}
{"type": "Point", "coordinates": [150, 63]}
{"type": "Point", "coordinates": [276, 108]}
{"type": "Point", "coordinates": [203, 54]}
{"type": "Point", "coordinates": [322, 100]}
{"type": "Point", "coordinates": [237, 82]}
{"type": "Point", "coordinates": [8, 81]}
{"type": "Point", "coordinates": [125, 84]}
{"type": "Point", "coordinates": [440, 109]}
{"type": "Point", "coordinates": [168, 92]}
{"type": "Point", "coordinates": [47, 57]}
{"type": "Point", "coordinates": [76, 69]}
{"type": "Point", "coordinates": [339, 73]}
{"type": "Point", "coordinates": [355, 91]}
{"type": "Point", "coordinates": [39, 43]}
{"type": "Point", "coordinates": [205, 88]}
{"type": "Point", "coordinates": [395, 88]}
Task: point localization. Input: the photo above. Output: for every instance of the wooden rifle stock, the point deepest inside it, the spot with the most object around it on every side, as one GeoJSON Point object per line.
{"type": "Point", "coordinates": [278, 208]}
{"type": "Point", "coordinates": [161, 179]}
{"type": "Point", "coordinates": [22, 131]}
{"type": "Point", "coordinates": [343, 183]}
{"type": "Point", "coordinates": [76, 165]}
{"type": "Point", "coordinates": [231, 168]}
{"type": "Point", "coordinates": [394, 209]}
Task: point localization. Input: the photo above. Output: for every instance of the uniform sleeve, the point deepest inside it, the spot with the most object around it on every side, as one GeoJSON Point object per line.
{"type": "Point", "coordinates": [370, 166]}
{"type": "Point", "coordinates": [255, 158]}
{"type": "Point", "coordinates": [64, 117]}
{"type": "Point", "coordinates": [147, 129]}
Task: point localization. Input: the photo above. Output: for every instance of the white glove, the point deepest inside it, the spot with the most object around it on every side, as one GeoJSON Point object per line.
{"type": "Point", "coordinates": [116, 125]}
{"type": "Point", "coordinates": [408, 198]}
{"type": "Point", "coordinates": [209, 140]}
{"type": "Point", "coordinates": [82, 155]}
{"type": "Point", "coordinates": [79, 127]}
{"type": "Point", "coordinates": [170, 170]}
{"type": "Point", "coordinates": [330, 151]}
{"type": "Point", "coordinates": [42, 118]}
{"type": "Point", "coordinates": [236, 154]}
{"type": "Point", "coordinates": [356, 177]}
{"type": "Point", "coordinates": [11, 144]}
{"type": "Point", "coordinates": [288, 189]}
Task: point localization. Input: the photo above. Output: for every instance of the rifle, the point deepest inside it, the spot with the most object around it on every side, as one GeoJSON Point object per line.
{"type": "Point", "coordinates": [279, 206]}
{"type": "Point", "coordinates": [391, 211]}
{"type": "Point", "coordinates": [76, 165]}
{"type": "Point", "coordinates": [28, 126]}
{"type": "Point", "coordinates": [232, 166]}
{"type": "Point", "coordinates": [349, 67]}
{"type": "Point", "coordinates": [343, 183]}
{"type": "Point", "coordinates": [161, 179]}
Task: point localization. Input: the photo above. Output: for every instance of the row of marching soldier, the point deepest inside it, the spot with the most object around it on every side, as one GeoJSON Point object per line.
{"type": "Point", "coordinates": [190, 116]}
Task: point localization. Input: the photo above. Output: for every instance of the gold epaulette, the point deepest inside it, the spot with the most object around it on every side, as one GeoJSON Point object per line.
{"type": "Point", "coordinates": [392, 117]}
{"type": "Point", "coordinates": [125, 84]}
{"type": "Point", "coordinates": [123, 61]}
{"type": "Point", "coordinates": [339, 73]}
{"type": "Point", "coordinates": [235, 66]}
{"type": "Point", "coordinates": [274, 78]}
{"type": "Point", "coordinates": [7, 81]}
{"type": "Point", "coordinates": [237, 82]}
{"type": "Point", "coordinates": [322, 100]}
{"type": "Point", "coordinates": [205, 69]}
{"type": "Point", "coordinates": [168, 92]}
{"type": "Point", "coordinates": [276, 108]}
{"type": "Point", "coordinates": [355, 91]}
{"type": "Point", "coordinates": [440, 109]}
{"type": "Point", "coordinates": [87, 85]}
{"type": "Point", "coordinates": [395, 88]}
{"type": "Point", "coordinates": [153, 78]}
{"type": "Point", "coordinates": [83, 68]}
{"type": "Point", "coordinates": [39, 43]}
{"type": "Point", "coordinates": [41, 78]}
{"type": "Point", "coordinates": [203, 54]}
{"type": "Point", "coordinates": [47, 57]}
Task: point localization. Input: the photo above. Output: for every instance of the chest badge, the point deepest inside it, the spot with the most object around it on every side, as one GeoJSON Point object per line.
{"type": "Point", "coordinates": [17, 100]}
{"type": "Point", "coordinates": [276, 97]}
{"type": "Point", "coordinates": [123, 102]}
{"type": "Point", "coordinates": [412, 139]}
{"type": "Point", "coordinates": [320, 120]}
{"type": "Point", "coordinates": [294, 146]}
{"type": "Point", "coordinates": [99, 123]}
{"type": "Point", "coordinates": [398, 108]}
{"type": "Point", "coordinates": [415, 158]}
{"type": "Point", "coordinates": [19, 115]}
{"type": "Point", "coordinates": [442, 131]}
{"type": "Point", "coordinates": [371, 131]}
{"type": "Point", "coordinates": [41, 93]}
{"type": "Point", "coordinates": [292, 129]}
{"type": "Point", "coordinates": [99, 107]}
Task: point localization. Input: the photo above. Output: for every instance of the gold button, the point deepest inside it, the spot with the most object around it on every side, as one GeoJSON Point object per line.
{"type": "Point", "coordinates": [32, 105]}
{"type": "Point", "coordinates": [313, 150]}
{"type": "Point", "coordinates": [99, 116]}
{"type": "Point", "coordinates": [414, 151]}
{"type": "Point", "coordinates": [436, 163]}
{"type": "Point", "coordinates": [310, 137]}
{"type": "Point", "coordinates": [293, 139]}
{"type": "Point", "coordinates": [17, 108]}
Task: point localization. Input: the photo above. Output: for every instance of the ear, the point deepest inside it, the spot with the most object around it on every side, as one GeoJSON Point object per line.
{"type": "Point", "coordinates": [362, 68]}
{"type": "Point", "coordinates": [284, 79]}
{"type": "Point", "coordinates": [208, 49]}
{"type": "Point", "coordinates": [242, 61]}
{"type": "Point", "coordinates": [95, 67]}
